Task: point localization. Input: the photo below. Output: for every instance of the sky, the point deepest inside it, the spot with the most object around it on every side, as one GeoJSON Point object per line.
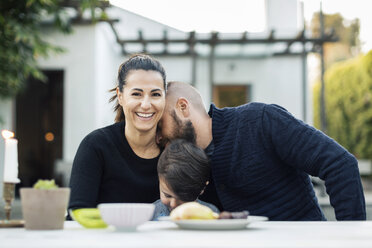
{"type": "Point", "coordinates": [241, 15]}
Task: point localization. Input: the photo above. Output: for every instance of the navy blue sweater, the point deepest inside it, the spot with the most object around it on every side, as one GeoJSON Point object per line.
{"type": "Point", "coordinates": [262, 160]}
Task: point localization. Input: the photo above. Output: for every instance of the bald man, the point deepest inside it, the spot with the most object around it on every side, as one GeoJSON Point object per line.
{"type": "Point", "coordinates": [261, 158]}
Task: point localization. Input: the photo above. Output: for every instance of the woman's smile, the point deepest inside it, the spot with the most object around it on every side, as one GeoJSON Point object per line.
{"type": "Point", "coordinates": [145, 116]}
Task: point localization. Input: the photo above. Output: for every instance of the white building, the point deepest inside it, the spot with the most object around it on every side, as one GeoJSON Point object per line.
{"type": "Point", "coordinates": [88, 70]}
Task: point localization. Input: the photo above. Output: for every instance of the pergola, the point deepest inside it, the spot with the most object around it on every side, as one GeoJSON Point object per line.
{"type": "Point", "coordinates": [214, 40]}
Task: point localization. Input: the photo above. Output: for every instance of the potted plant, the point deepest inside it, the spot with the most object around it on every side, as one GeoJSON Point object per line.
{"type": "Point", "coordinates": [44, 206]}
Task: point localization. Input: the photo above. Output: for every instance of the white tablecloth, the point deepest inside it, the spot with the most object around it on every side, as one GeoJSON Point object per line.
{"type": "Point", "coordinates": [167, 234]}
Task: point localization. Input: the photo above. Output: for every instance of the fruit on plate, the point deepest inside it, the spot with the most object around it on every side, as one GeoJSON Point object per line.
{"type": "Point", "coordinates": [193, 211]}
{"type": "Point", "coordinates": [88, 217]}
{"type": "Point", "coordinates": [197, 211]}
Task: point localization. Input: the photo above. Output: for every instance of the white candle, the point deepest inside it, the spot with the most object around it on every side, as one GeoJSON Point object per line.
{"type": "Point", "coordinates": [10, 158]}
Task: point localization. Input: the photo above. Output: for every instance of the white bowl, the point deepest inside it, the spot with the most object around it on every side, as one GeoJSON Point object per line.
{"type": "Point", "coordinates": [126, 216]}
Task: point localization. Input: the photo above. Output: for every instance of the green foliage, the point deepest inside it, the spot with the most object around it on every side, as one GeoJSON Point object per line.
{"type": "Point", "coordinates": [45, 184]}
{"type": "Point", "coordinates": [348, 92]}
{"type": "Point", "coordinates": [21, 42]}
{"type": "Point", "coordinates": [347, 31]}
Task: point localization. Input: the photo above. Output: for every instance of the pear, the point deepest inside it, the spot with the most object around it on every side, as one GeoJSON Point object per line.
{"type": "Point", "coordinates": [193, 211]}
{"type": "Point", "coordinates": [88, 217]}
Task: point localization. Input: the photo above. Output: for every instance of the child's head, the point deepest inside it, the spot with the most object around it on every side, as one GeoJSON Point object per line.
{"type": "Point", "coordinates": [183, 171]}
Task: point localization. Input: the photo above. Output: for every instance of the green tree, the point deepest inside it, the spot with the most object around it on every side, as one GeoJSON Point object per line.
{"type": "Point", "coordinates": [21, 42]}
{"type": "Point", "coordinates": [347, 32]}
{"type": "Point", "coordinates": [349, 104]}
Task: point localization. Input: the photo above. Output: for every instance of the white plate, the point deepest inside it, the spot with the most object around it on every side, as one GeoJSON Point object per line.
{"type": "Point", "coordinates": [224, 224]}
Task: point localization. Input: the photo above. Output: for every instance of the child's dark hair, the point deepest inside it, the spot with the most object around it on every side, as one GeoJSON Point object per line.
{"type": "Point", "coordinates": [185, 169]}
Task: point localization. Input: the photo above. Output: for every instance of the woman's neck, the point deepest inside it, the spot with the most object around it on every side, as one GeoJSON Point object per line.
{"type": "Point", "coordinates": [143, 144]}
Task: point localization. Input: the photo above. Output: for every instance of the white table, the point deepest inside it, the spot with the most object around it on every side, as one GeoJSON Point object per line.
{"type": "Point", "coordinates": [166, 234]}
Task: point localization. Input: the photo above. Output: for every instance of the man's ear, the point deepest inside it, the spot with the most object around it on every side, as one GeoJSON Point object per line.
{"type": "Point", "coordinates": [119, 95]}
{"type": "Point", "coordinates": [158, 136]}
{"type": "Point", "coordinates": [183, 106]}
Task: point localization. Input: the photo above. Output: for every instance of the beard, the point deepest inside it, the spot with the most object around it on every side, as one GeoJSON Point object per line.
{"type": "Point", "coordinates": [182, 130]}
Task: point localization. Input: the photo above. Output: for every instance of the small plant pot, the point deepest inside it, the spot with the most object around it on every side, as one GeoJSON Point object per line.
{"type": "Point", "coordinates": [44, 209]}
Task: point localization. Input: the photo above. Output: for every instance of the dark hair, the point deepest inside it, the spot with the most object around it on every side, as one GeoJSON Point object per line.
{"type": "Point", "coordinates": [185, 169]}
{"type": "Point", "coordinates": [135, 62]}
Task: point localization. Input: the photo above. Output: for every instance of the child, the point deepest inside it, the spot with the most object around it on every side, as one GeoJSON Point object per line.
{"type": "Point", "coordinates": [183, 170]}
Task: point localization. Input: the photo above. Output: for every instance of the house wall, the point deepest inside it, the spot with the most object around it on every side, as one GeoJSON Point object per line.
{"type": "Point", "coordinates": [203, 81]}
{"type": "Point", "coordinates": [273, 80]}
{"type": "Point", "coordinates": [78, 64]}
{"type": "Point", "coordinates": [107, 61]}
{"type": "Point", "coordinates": [282, 16]}
{"type": "Point", "coordinates": [129, 24]}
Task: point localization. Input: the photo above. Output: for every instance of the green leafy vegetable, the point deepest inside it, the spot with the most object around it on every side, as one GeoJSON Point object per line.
{"type": "Point", "coordinates": [45, 184]}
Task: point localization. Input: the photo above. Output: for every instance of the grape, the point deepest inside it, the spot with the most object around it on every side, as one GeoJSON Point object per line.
{"type": "Point", "coordinates": [233, 215]}
{"type": "Point", "coordinates": [240, 215]}
{"type": "Point", "coordinates": [225, 215]}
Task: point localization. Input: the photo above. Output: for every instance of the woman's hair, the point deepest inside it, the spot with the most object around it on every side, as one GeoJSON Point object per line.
{"type": "Point", "coordinates": [135, 62]}
{"type": "Point", "coordinates": [185, 169]}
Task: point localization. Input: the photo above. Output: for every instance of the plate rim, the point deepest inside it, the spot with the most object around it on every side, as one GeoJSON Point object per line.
{"type": "Point", "coordinates": [216, 224]}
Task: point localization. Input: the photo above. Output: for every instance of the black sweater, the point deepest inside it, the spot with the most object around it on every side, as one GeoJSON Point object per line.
{"type": "Point", "coordinates": [106, 170]}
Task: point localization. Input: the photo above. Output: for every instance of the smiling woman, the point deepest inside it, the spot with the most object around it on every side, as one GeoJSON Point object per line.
{"type": "Point", "coordinates": [142, 100]}
{"type": "Point", "coordinates": [117, 163]}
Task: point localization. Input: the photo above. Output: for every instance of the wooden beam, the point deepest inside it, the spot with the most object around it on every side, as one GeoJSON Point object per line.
{"type": "Point", "coordinates": [271, 35]}
{"type": "Point", "coordinates": [244, 37]}
{"type": "Point", "coordinates": [142, 41]}
{"type": "Point", "coordinates": [165, 41]}
{"type": "Point", "coordinates": [191, 42]}
{"type": "Point", "coordinates": [217, 41]}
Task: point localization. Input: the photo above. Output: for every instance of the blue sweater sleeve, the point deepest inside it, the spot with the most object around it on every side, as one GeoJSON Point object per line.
{"type": "Point", "coordinates": [160, 210]}
{"type": "Point", "coordinates": [308, 149]}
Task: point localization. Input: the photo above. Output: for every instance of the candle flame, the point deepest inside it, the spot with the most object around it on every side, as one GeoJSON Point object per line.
{"type": "Point", "coordinates": [7, 134]}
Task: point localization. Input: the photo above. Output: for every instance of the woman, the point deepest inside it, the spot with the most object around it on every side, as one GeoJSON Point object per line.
{"type": "Point", "coordinates": [118, 163]}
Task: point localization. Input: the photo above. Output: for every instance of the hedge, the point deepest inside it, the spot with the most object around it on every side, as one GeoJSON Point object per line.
{"type": "Point", "coordinates": [348, 93]}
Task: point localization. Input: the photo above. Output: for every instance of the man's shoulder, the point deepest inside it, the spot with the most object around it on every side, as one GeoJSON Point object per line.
{"type": "Point", "coordinates": [257, 109]}
{"type": "Point", "coordinates": [250, 111]}
{"type": "Point", "coordinates": [251, 107]}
